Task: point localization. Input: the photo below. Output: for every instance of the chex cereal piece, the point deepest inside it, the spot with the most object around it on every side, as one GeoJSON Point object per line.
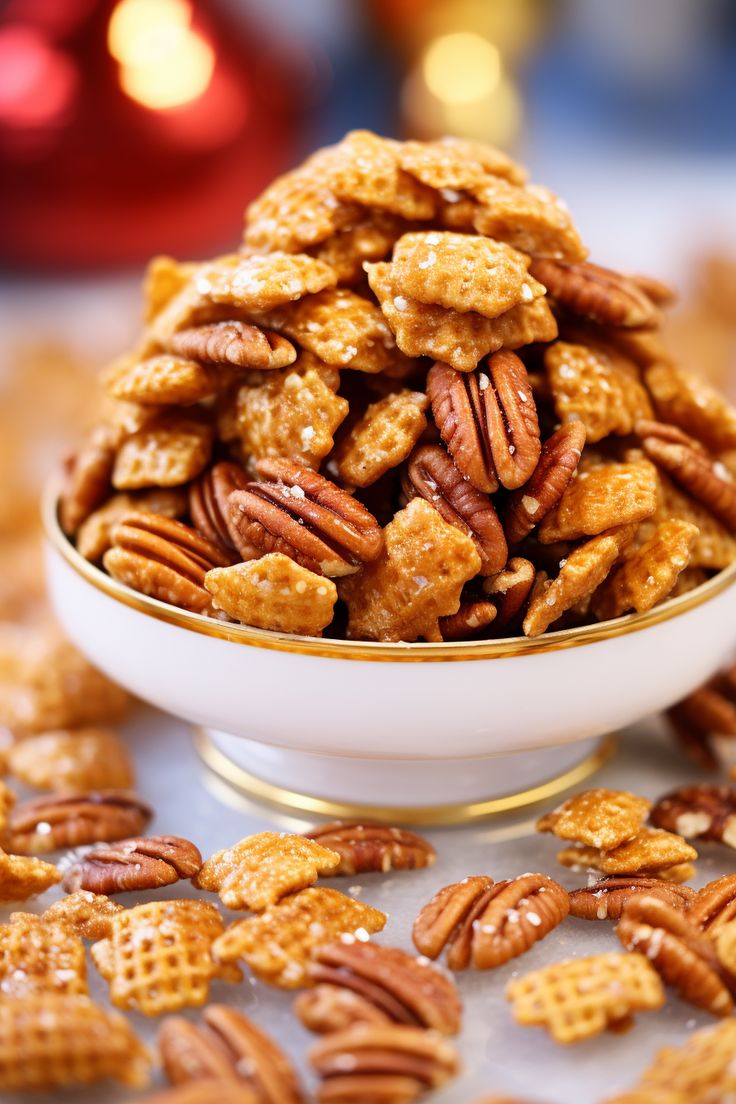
{"type": "Point", "coordinates": [417, 579]}
{"type": "Point", "coordinates": [369, 239]}
{"type": "Point", "coordinates": [340, 328]}
{"type": "Point", "coordinates": [460, 340]}
{"type": "Point", "coordinates": [457, 164]}
{"type": "Point", "coordinates": [237, 344]}
{"type": "Point", "coordinates": [166, 453]}
{"type": "Point", "coordinates": [651, 851]}
{"type": "Point", "coordinates": [714, 546]}
{"type": "Point", "coordinates": [22, 877]}
{"type": "Point", "coordinates": [274, 592]}
{"type": "Point", "coordinates": [94, 535]}
{"type": "Point", "coordinates": [597, 386]}
{"type": "Point", "coordinates": [260, 869]}
{"type": "Point", "coordinates": [581, 997]}
{"type": "Point", "coordinates": [294, 414]}
{"type": "Point", "coordinates": [602, 497]}
{"type": "Point", "coordinates": [462, 272]}
{"type": "Point", "coordinates": [72, 759]}
{"type": "Point", "coordinates": [687, 400]}
{"type": "Point", "coordinates": [164, 278]}
{"type": "Point", "coordinates": [40, 956]}
{"type": "Point", "coordinates": [277, 944]}
{"type": "Point", "coordinates": [601, 818]}
{"type": "Point", "coordinates": [7, 797]}
{"type": "Point", "coordinates": [701, 1069]}
{"type": "Point", "coordinates": [53, 1041]}
{"type": "Point", "coordinates": [164, 379]}
{"type": "Point", "coordinates": [581, 574]}
{"type": "Point", "coordinates": [530, 218]}
{"type": "Point", "coordinates": [88, 915]}
{"type": "Point", "coordinates": [382, 438]}
{"type": "Point", "coordinates": [647, 574]}
{"type": "Point", "coordinates": [158, 956]}
{"type": "Point", "coordinates": [260, 283]}
{"type": "Point", "coordinates": [364, 168]}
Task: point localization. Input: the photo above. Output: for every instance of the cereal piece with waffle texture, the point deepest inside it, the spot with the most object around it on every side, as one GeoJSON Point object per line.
{"type": "Point", "coordinates": [690, 402]}
{"type": "Point", "coordinates": [369, 239]}
{"type": "Point", "coordinates": [532, 219]}
{"type": "Point", "coordinates": [164, 380]}
{"type": "Point", "coordinates": [166, 453]}
{"type": "Point", "coordinates": [158, 957]}
{"type": "Point", "coordinates": [599, 818]}
{"type": "Point", "coordinates": [22, 876]}
{"type": "Point", "coordinates": [94, 535]}
{"type": "Point", "coordinates": [277, 944]}
{"type": "Point", "coordinates": [462, 272]}
{"type": "Point", "coordinates": [364, 168]}
{"type": "Point", "coordinates": [417, 579]}
{"type": "Point", "coordinates": [597, 386]}
{"type": "Point", "coordinates": [650, 851]}
{"type": "Point", "coordinates": [457, 164]}
{"type": "Point", "coordinates": [55, 1041]}
{"type": "Point", "coordinates": [581, 997]}
{"type": "Point", "coordinates": [649, 573]}
{"type": "Point", "coordinates": [382, 438]}
{"type": "Point", "coordinates": [260, 283]}
{"type": "Point", "coordinates": [600, 498]}
{"type": "Point", "coordinates": [40, 956]}
{"type": "Point", "coordinates": [164, 278]}
{"type": "Point", "coordinates": [88, 915]}
{"type": "Point", "coordinates": [72, 759]}
{"type": "Point", "coordinates": [274, 592]}
{"type": "Point", "coordinates": [256, 872]}
{"type": "Point", "coordinates": [702, 1069]}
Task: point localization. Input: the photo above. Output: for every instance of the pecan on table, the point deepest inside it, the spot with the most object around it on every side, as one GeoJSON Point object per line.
{"type": "Point", "coordinates": [488, 420]}
{"type": "Point", "coordinates": [397, 985]}
{"type": "Point", "coordinates": [387, 1062]}
{"type": "Point", "coordinates": [544, 488]}
{"type": "Point", "coordinates": [701, 811]}
{"type": "Point", "coordinates": [434, 475]}
{"type": "Point", "coordinates": [227, 1045]}
{"type": "Point", "coordinates": [165, 559]}
{"type": "Point", "coordinates": [373, 847]}
{"type": "Point", "coordinates": [607, 898]}
{"type": "Point", "coordinates": [714, 905]}
{"type": "Point", "coordinates": [485, 924]}
{"type": "Point", "coordinates": [208, 497]}
{"type": "Point", "coordinates": [597, 293]}
{"type": "Point", "coordinates": [680, 953]}
{"type": "Point", "coordinates": [134, 864]}
{"type": "Point", "coordinates": [305, 516]}
{"type": "Point", "coordinates": [70, 820]}
{"type": "Point", "coordinates": [708, 712]}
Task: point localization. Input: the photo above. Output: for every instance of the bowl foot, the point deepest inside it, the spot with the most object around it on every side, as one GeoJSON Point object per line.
{"type": "Point", "coordinates": [408, 791]}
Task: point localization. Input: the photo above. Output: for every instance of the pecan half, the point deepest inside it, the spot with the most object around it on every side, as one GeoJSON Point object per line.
{"type": "Point", "coordinates": [388, 1062]}
{"type": "Point", "coordinates": [545, 487]}
{"type": "Point", "coordinates": [368, 847]}
{"type": "Point", "coordinates": [485, 924]}
{"type": "Point", "coordinates": [701, 811]}
{"type": "Point", "coordinates": [406, 989]}
{"type": "Point", "coordinates": [510, 590]}
{"type": "Point", "coordinates": [699, 474]}
{"type": "Point", "coordinates": [678, 950]}
{"type": "Point", "coordinates": [714, 905]}
{"type": "Point", "coordinates": [145, 862]}
{"type": "Point", "coordinates": [165, 559]}
{"type": "Point", "coordinates": [472, 619]}
{"type": "Point", "coordinates": [301, 514]}
{"type": "Point", "coordinates": [236, 343]}
{"type": "Point", "coordinates": [208, 497]}
{"type": "Point", "coordinates": [606, 898]}
{"type": "Point", "coordinates": [435, 476]}
{"type": "Point", "coordinates": [47, 823]}
{"type": "Point", "coordinates": [329, 1008]}
{"type": "Point", "coordinates": [708, 712]}
{"type": "Point", "coordinates": [488, 420]}
{"type": "Point", "coordinates": [88, 480]}
{"type": "Point", "coordinates": [597, 293]}
{"type": "Point", "coordinates": [227, 1045]}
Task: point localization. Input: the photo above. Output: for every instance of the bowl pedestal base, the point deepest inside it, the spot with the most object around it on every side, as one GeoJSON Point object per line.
{"type": "Point", "coordinates": [408, 791]}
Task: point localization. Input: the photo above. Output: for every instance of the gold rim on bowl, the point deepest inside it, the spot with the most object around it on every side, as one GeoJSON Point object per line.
{"type": "Point", "coordinates": [368, 650]}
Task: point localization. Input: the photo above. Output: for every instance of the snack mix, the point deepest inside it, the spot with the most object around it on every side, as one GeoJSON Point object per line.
{"type": "Point", "coordinates": [408, 409]}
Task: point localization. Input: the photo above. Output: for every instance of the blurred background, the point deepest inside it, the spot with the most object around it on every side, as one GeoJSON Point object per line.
{"type": "Point", "coordinates": [131, 127]}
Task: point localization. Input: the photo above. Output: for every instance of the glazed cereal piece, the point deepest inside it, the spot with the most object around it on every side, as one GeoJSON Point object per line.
{"type": "Point", "coordinates": [166, 453]}
{"type": "Point", "coordinates": [382, 438]}
{"type": "Point", "coordinates": [687, 400]}
{"type": "Point", "coordinates": [260, 283]}
{"type": "Point", "coordinates": [599, 818]}
{"type": "Point", "coordinates": [462, 272]}
{"type": "Point", "coordinates": [651, 851]}
{"type": "Point", "coordinates": [164, 380]}
{"type": "Point", "coordinates": [457, 164]}
{"type": "Point", "coordinates": [274, 592]}
{"type": "Point", "coordinates": [371, 238]}
{"type": "Point", "coordinates": [581, 997]}
{"type": "Point", "coordinates": [88, 915]}
{"type": "Point", "coordinates": [256, 872]}
{"type": "Point", "coordinates": [277, 944]}
{"type": "Point", "coordinates": [649, 573]}
{"type": "Point", "coordinates": [532, 219]}
{"type": "Point", "coordinates": [72, 759]}
{"type": "Point", "coordinates": [94, 535]}
{"type": "Point", "coordinates": [597, 386]}
{"type": "Point", "coordinates": [701, 1069]}
{"type": "Point", "coordinates": [7, 797]}
{"type": "Point", "coordinates": [158, 957]}
{"type": "Point", "coordinates": [364, 168]}
{"type": "Point", "coordinates": [580, 576]}
{"type": "Point", "coordinates": [40, 956]}
{"type": "Point", "coordinates": [22, 877]}
{"type": "Point", "coordinates": [417, 579]}
{"type": "Point", "coordinates": [600, 498]}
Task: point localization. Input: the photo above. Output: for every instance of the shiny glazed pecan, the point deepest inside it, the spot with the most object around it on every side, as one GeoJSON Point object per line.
{"type": "Point", "coordinates": [714, 905]}
{"type": "Point", "coordinates": [606, 898]}
{"type": "Point", "coordinates": [472, 619]}
{"type": "Point", "coordinates": [146, 862]}
{"type": "Point", "coordinates": [70, 820]}
{"type": "Point", "coordinates": [701, 811]}
{"type": "Point", "coordinates": [301, 514]}
{"type": "Point", "coordinates": [227, 1045]}
{"type": "Point", "coordinates": [208, 504]}
{"type": "Point", "coordinates": [404, 988]}
{"type": "Point", "coordinates": [434, 475]}
{"type": "Point", "coordinates": [688, 464]}
{"type": "Point", "coordinates": [510, 589]}
{"type": "Point", "coordinates": [708, 712]}
{"type": "Point", "coordinates": [368, 847]}
{"type": "Point", "coordinates": [597, 293]}
{"type": "Point", "coordinates": [485, 924]}
{"type": "Point", "coordinates": [235, 343]}
{"type": "Point", "coordinates": [558, 462]}
{"type": "Point", "coordinates": [488, 420]}
{"type": "Point", "coordinates": [88, 479]}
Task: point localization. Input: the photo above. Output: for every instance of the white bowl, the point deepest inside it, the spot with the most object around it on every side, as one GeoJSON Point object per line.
{"type": "Point", "coordinates": [429, 731]}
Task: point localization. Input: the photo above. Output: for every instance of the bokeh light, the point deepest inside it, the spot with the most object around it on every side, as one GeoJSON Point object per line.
{"type": "Point", "coordinates": [38, 82]}
{"type": "Point", "coordinates": [462, 68]}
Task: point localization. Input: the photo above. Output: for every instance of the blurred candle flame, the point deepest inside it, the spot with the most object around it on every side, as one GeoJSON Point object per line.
{"type": "Point", "coordinates": [164, 62]}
